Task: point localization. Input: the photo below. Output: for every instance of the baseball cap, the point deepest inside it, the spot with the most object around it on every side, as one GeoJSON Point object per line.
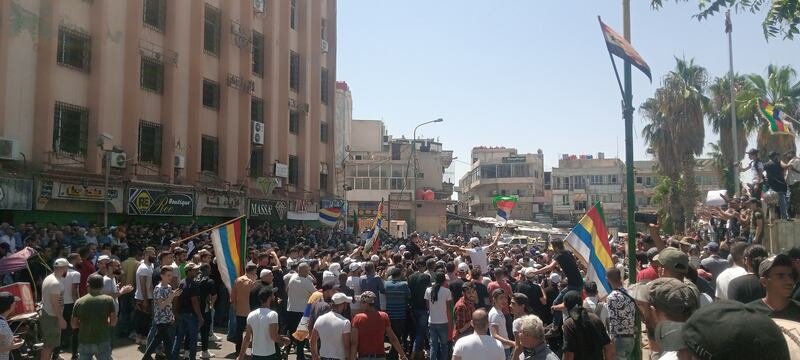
{"type": "Point", "coordinates": [264, 272]}
{"type": "Point", "coordinates": [103, 258]}
{"type": "Point", "coordinates": [374, 258]}
{"type": "Point", "coordinates": [190, 266]}
{"type": "Point", "coordinates": [341, 298]}
{"type": "Point", "coordinates": [652, 253]}
{"type": "Point", "coordinates": [687, 241]}
{"type": "Point", "coordinates": [672, 296]}
{"type": "Point", "coordinates": [777, 260]}
{"type": "Point", "coordinates": [674, 259]}
{"type": "Point", "coordinates": [475, 241]}
{"type": "Point", "coordinates": [731, 330]}
{"type": "Point", "coordinates": [61, 262]}
{"type": "Point", "coordinates": [774, 153]}
{"type": "Point", "coordinates": [712, 246]}
{"type": "Point", "coordinates": [529, 272]}
{"type": "Point", "coordinates": [555, 278]}
{"type": "Point", "coordinates": [368, 297]}
{"type": "Point", "coordinates": [335, 268]}
{"type": "Point", "coordinates": [402, 247]}
{"type": "Point", "coordinates": [354, 266]}
{"type": "Point", "coordinates": [463, 267]}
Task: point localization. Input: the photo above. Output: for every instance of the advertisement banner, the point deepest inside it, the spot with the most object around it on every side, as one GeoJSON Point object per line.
{"type": "Point", "coordinates": [53, 195]}
{"type": "Point", "coordinates": [16, 194]}
{"type": "Point", "coordinates": [268, 209]}
{"type": "Point", "coordinates": [160, 202]}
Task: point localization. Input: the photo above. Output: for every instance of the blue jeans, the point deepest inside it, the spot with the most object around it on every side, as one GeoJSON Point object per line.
{"type": "Point", "coordinates": [102, 351]}
{"type": "Point", "coordinates": [421, 317]}
{"type": "Point", "coordinates": [439, 345]}
{"type": "Point", "coordinates": [783, 205]}
{"type": "Point", "coordinates": [186, 328]}
{"type": "Point", "coordinates": [624, 347]}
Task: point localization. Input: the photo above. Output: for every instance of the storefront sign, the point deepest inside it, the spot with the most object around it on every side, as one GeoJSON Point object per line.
{"type": "Point", "coordinates": [281, 170]}
{"type": "Point", "coordinates": [268, 209]}
{"type": "Point", "coordinates": [69, 196]}
{"type": "Point", "coordinates": [219, 203]}
{"type": "Point", "coordinates": [152, 202]}
{"type": "Point", "coordinates": [16, 194]}
{"type": "Point", "coordinates": [514, 159]}
{"type": "Point", "coordinates": [80, 192]}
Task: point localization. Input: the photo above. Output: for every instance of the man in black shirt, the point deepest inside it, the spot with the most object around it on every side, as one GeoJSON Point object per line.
{"type": "Point", "coordinates": [455, 284]}
{"type": "Point", "coordinates": [533, 291]}
{"type": "Point", "coordinates": [776, 179]}
{"type": "Point", "coordinates": [778, 277]}
{"type": "Point", "coordinates": [747, 288]}
{"type": "Point", "coordinates": [566, 261]}
{"type": "Point", "coordinates": [189, 316]}
{"type": "Point", "coordinates": [418, 283]}
{"type": "Point", "coordinates": [207, 294]}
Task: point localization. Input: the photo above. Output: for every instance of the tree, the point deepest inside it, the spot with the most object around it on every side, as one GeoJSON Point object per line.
{"type": "Point", "coordinates": [722, 166]}
{"type": "Point", "coordinates": [780, 87]}
{"type": "Point", "coordinates": [783, 16]}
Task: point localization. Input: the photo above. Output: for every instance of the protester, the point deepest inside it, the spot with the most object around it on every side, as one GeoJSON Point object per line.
{"type": "Point", "coordinates": [776, 180]}
{"type": "Point", "coordinates": [94, 314]}
{"type": "Point", "coordinates": [480, 345]}
{"type": "Point", "coordinates": [189, 316]}
{"type": "Point", "coordinates": [8, 341]}
{"type": "Point", "coordinates": [666, 304]}
{"type": "Point", "coordinates": [418, 283]}
{"type": "Point", "coordinates": [71, 282]}
{"type": "Point", "coordinates": [262, 329]}
{"type": "Point", "coordinates": [462, 312]}
{"type": "Point", "coordinates": [52, 320]}
{"type": "Point", "coordinates": [747, 288]}
{"type": "Point", "coordinates": [332, 332]}
{"type": "Point", "coordinates": [736, 270]}
{"type": "Point", "coordinates": [531, 341]}
{"type": "Point", "coordinates": [497, 321]}
{"type": "Point", "coordinates": [240, 300]}
{"type": "Point", "coordinates": [397, 296]}
{"type": "Point", "coordinates": [163, 318]}
{"type": "Point", "coordinates": [621, 310]}
{"type": "Point", "coordinates": [369, 329]}
{"type": "Point", "coordinates": [778, 278]}
{"type": "Point", "coordinates": [585, 336]}
{"type": "Point", "coordinates": [144, 296]}
{"type": "Point", "coordinates": [439, 300]}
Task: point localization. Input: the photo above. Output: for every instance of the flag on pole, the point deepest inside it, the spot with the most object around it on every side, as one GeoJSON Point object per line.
{"type": "Point", "coordinates": [620, 47]}
{"type": "Point", "coordinates": [589, 240]}
{"type": "Point", "coordinates": [504, 204]}
{"type": "Point", "coordinates": [230, 245]}
{"type": "Point", "coordinates": [302, 332]}
{"type": "Point", "coordinates": [329, 216]}
{"type": "Point", "coordinates": [374, 239]}
{"type": "Point", "coordinates": [774, 118]}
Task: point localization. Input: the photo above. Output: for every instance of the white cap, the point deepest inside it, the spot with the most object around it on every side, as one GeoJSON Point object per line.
{"type": "Point", "coordinates": [463, 267]}
{"type": "Point", "coordinates": [402, 247]}
{"type": "Point", "coordinates": [555, 278]}
{"type": "Point", "coordinates": [328, 276]}
{"type": "Point", "coordinates": [354, 266]}
{"type": "Point", "coordinates": [507, 259]}
{"type": "Point", "coordinates": [529, 272]}
{"type": "Point", "coordinates": [264, 272]}
{"type": "Point", "coordinates": [335, 268]}
{"type": "Point", "coordinates": [341, 298]}
{"type": "Point", "coordinates": [103, 258]}
{"type": "Point", "coordinates": [374, 258]}
{"type": "Point", "coordinates": [475, 241]}
{"type": "Point", "coordinates": [61, 262]}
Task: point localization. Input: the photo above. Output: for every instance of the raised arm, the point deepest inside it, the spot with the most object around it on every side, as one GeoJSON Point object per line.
{"type": "Point", "coordinates": [496, 239]}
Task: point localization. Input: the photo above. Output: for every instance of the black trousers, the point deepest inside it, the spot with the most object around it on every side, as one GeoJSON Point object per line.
{"type": "Point", "coordinates": [292, 320]}
{"type": "Point", "coordinates": [241, 324]}
{"type": "Point", "coordinates": [162, 336]}
{"type": "Point", "coordinates": [205, 330]}
{"type": "Point", "coordinates": [399, 328]}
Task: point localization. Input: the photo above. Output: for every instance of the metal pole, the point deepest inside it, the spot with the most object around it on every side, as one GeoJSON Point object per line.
{"type": "Point", "coordinates": [414, 182]}
{"type": "Point", "coordinates": [734, 168]}
{"type": "Point", "coordinates": [107, 160]}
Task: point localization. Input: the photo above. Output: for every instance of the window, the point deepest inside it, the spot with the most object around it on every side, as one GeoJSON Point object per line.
{"type": "Point", "coordinates": [74, 49]}
{"type": "Point", "coordinates": [580, 205]}
{"type": "Point", "coordinates": [258, 53]}
{"type": "Point", "coordinates": [294, 122]}
{"type": "Point", "coordinates": [209, 154]}
{"type": "Point", "coordinates": [211, 30]}
{"type": "Point", "coordinates": [648, 181]}
{"type": "Point", "coordinates": [294, 170]}
{"type": "Point", "coordinates": [294, 71]}
{"type": "Point", "coordinates": [565, 200]}
{"type": "Point", "coordinates": [323, 132]}
{"type": "Point", "coordinates": [151, 75]}
{"type": "Point", "coordinates": [488, 171]}
{"type": "Point", "coordinates": [257, 161]}
{"type": "Point", "coordinates": [520, 170]}
{"type": "Point", "coordinates": [71, 129]}
{"type": "Point", "coordinates": [323, 27]}
{"type": "Point", "coordinates": [155, 14]}
{"type": "Point", "coordinates": [597, 179]}
{"type": "Point", "coordinates": [638, 179]}
{"type": "Point", "coordinates": [210, 94]}
{"type": "Point", "coordinates": [504, 171]}
{"type": "Point", "coordinates": [257, 109]}
{"type": "Point", "coordinates": [293, 19]}
{"type": "Point", "coordinates": [150, 142]}
{"type": "Point", "coordinates": [323, 83]}
{"type": "Point", "coordinates": [612, 179]}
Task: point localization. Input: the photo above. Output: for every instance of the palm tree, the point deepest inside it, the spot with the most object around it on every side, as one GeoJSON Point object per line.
{"type": "Point", "coordinates": [658, 135]}
{"type": "Point", "coordinates": [781, 87]}
{"type": "Point", "coordinates": [722, 165]}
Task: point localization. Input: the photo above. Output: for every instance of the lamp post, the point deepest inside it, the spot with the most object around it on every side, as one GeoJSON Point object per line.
{"type": "Point", "coordinates": [414, 159]}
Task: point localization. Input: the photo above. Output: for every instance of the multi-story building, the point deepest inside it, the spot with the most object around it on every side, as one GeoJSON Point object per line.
{"type": "Point", "coordinates": [502, 171]}
{"type": "Point", "coordinates": [647, 178]}
{"type": "Point", "coordinates": [381, 167]}
{"type": "Point", "coordinates": [580, 181]}
{"type": "Point", "coordinates": [196, 104]}
{"type": "Point", "coordinates": [341, 133]}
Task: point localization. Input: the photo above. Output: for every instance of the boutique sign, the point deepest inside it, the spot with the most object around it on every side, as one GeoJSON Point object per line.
{"type": "Point", "coordinates": [159, 202]}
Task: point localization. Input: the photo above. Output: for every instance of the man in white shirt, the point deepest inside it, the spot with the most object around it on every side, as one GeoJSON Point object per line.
{"type": "Point", "coordinates": [70, 282]}
{"type": "Point", "coordinates": [299, 289]}
{"type": "Point", "coordinates": [724, 278]}
{"type": "Point", "coordinates": [477, 253]}
{"type": "Point", "coordinates": [262, 328]}
{"type": "Point", "coordinates": [144, 295]}
{"type": "Point", "coordinates": [332, 330]}
{"type": "Point", "coordinates": [52, 321]}
{"type": "Point", "coordinates": [793, 181]}
{"type": "Point", "coordinates": [480, 345]}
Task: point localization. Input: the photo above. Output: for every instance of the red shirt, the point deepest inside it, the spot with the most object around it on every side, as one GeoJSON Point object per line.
{"type": "Point", "coordinates": [501, 285]}
{"type": "Point", "coordinates": [86, 269]}
{"type": "Point", "coordinates": [371, 331]}
{"type": "Point", "coordinates": [648, 274]}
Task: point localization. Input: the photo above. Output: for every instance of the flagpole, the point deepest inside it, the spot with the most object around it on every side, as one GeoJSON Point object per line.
{"type": "Point", "coordinates": [729, 30]}
{"type": "Point", "coordinates": [209, 229]}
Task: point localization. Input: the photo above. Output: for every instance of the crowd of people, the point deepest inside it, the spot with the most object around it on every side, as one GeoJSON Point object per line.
{"type": "Point", "coordinates": [318, 293]}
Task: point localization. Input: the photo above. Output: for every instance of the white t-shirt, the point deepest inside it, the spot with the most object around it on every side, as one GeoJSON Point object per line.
{"type": "Point", "coordinates": [497, 318]}
{"type": "Point", "coordinates": [73, 277]}
{"type": "Point", "coordinates": [299, 290]}
{"type": "Point", "coordinates": [110, 289]}
{"type": "Point", "coordinates": [591, 304]}
{"type": "Point", "coordinates": [330, 328]}
{"type": "Point", "coordinates": [478, 257]}
{"type": "Point", "coordinates": [354, 282]}
{"type": "Point", "coordinates": [479, 347]}
{"type": "Point", "coordinates": [51, 286]}
{"type": "Point", "coordinates": [438, 309]}
{"type": "Point", "coordinates": [793, 176]}
{"type": "Point", "coordinates": [147, 271]}
{"type": "Point", "coordinates": [724, 279]}
{"type": "Point", "coordinates": [259, 321]}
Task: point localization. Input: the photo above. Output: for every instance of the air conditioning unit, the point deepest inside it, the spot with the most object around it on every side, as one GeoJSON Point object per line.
{"type": "Point", "coordinates": [324, 46]}
{"type": "Point", "coordinates": [259, 6]}
{"type": "Point", "coordinates": [118, 159]}
{"type": "Point", "coordinates": [180, 161]}
{"type": "Point", "coordinates": [257, 132]}
{"type": "Point", "coordinates": [9, 149]}
{"type": "Point", "coordinates": [302, 108]}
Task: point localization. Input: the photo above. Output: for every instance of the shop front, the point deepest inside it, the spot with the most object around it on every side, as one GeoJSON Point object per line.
{"type": "Point", "coordinates": [65, 201]}
{"type": "Point", "coordinates": [271, 211]}
{"type": "Point", "coordinates": [221, 204]}
{"type": "Point", "coordinates": [151, 204]}
{"type": "Point", "coordinates": [15, 195]}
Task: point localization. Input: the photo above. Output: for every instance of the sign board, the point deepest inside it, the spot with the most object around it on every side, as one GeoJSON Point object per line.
{"type": "Point", "coordinates": [236, 82]}
{"type": "Point", "coordinates": [219, 201]}
{"type": "Point", "coordinates": [268, 209]}
{"type": "Point", "coordinates": [80, 192]}
{"type": "Point", "coordinates": [281, 170]}
{"type": "Point", "coordinates": [514, 159]}
{"type": "Point", "coordinates": [159, 202]}
{"type": "Point", "coordinates": [55, 195]}
{"type": "Point", "coordinates": [16, 194]}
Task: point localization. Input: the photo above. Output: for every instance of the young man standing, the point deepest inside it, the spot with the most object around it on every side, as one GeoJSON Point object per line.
{"type": "Point", "coordinates": [95, 314]}
{"type": "Point", "coordinates": [69, 336]}
{"type": "Point", "coordinates": [778, 278]}
{"type": "Point", "coordinates": [300, 287]}
{"type": "Point", "coordinates": [262, 329]}
{"type": "Point", "coordinates": [370, 327]}
{"type": "Point", "coordinates": [756, 222]}
{"type": "Point", "coordinates": [332, 332]}
{"type": "Point", "coordinates": [144, 295]}
{"type": "Point", "coordinates": [621, 313]}
{"type": "Point", "coordinates": [397, 296]}
{"type": "Point", "coordinates": [480, 345]}
{"type": "Point", "coordinates": [462, 312]}
{"type": "Point", "coordinates": [189, 317]}
{"type": "Point", "coordinates": [52, 319]}
{"type": "Point", "coordinates": [163, 318]}
{"type": "Point", "coordinates": [240, 300]}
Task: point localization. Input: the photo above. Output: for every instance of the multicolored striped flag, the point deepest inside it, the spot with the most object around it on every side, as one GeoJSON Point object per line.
{"type": "Point", "coordinates": [373, 242]}
{"type": "Point", "coordinates": [620, 47]}
{"type": "Point", "coordinates": [774, 118]}
{"type": "Point", "coordinates": [329, 216]}
{"type": "Point", "coordinates": [230, 246]}
{"type": "Point", "coordinates": [589, 240]}
{"type": "Point", "coordinates": [504, 204]}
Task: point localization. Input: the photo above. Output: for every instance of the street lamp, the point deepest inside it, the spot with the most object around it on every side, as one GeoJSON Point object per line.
{"type": "Point", "coordinates": [414, 159]}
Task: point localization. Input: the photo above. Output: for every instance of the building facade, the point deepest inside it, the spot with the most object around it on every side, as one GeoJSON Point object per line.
{"type": "Point", "coordinates": [500, 171]}
{"type": "Point", "coordinates": [647, 178]}
{"type": "Point", "coordinates": [381, 167]}
{"type": "Point", "coordinates": [580, 181]}
{"type": "Point", "coordinates": [217, 100]}
{"type": "Point", "coordinates": [341, 133]}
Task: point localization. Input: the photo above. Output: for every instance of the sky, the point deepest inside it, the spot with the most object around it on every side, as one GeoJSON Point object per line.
{"type": "Point", "coordinates": [524, 73]}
